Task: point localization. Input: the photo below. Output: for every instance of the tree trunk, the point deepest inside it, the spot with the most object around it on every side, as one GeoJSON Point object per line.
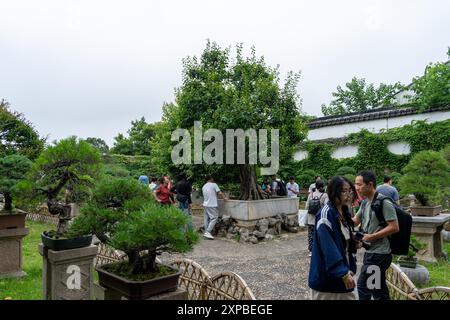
{"type": "Point", "coordinates": [8, 201]}
{"type": "Point", "coordinates": [63, 211]}
{"type": "Point", "coordinates": [249, 183]}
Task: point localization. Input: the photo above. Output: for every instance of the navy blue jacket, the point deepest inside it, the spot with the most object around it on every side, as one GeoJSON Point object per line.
{"type": "Point", "coordinates": [328, 261]}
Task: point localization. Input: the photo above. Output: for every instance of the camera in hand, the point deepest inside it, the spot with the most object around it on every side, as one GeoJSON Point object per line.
{"type": "Point", "coordinates": [358, 236]}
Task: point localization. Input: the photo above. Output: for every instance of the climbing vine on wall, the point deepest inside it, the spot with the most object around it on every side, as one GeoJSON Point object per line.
{"type": "Point", "coordinates": [372, 149]}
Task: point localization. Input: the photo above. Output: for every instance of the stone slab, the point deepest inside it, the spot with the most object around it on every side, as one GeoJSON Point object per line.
{"type": "Point", "coordinates": [258, 209]}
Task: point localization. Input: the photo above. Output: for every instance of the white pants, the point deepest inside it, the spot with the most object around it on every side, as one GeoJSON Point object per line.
{"type": "Point", "coordinates": [210, 218]}
{"type": "Point", "coordinates": [317, 295]}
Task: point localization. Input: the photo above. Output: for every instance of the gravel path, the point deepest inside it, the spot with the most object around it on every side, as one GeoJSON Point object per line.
{"type": "Point", "coordinates": [277, 269]}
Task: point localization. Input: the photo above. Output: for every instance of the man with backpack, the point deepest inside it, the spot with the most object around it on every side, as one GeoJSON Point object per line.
{"type": "Point", "coordinates": [315, 202]}
{"type": "Point", "coordinates": [278, 187]}
{"type": "Point", "coordinates": [377, 258]}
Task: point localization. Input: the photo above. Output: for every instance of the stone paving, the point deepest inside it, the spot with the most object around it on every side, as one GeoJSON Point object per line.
{"type": "Point", "coordinates": [276, 269]}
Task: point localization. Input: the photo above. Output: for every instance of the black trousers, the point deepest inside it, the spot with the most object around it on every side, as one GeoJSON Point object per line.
{"type": "Point", "coordinates": [310, 237]}
{"type": "Point", "coordinates": [372, 280]}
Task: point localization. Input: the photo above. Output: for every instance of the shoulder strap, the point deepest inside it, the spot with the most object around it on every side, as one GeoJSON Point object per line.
{"type": "Point", "coordinates": [377, 206]}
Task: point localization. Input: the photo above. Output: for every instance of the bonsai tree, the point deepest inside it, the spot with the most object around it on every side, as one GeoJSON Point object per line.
{"type": "Point", "coordinates": [427, 176]}
{"type": "Point", "coordinates": [415, 246]}
{"type": "Point", "coordinates": [13, 168]}
{"type": "Point", "coordinates": [59, 172]}
{"type": "Point", "coordinates": [123, 214]}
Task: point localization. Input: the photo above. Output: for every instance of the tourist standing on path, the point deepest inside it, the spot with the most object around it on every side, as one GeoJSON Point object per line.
{"type": "Point", "coordinates": [332, 263]}
{"type": "Point", "coordinates": [388, 190]}
{"type": "Point", "coordinates": [292, 188]}
{"type": "Point", "coordinates": [379, 253]}
{"type": "Point", "coordinates": [162, 193]}
{"type": "Point", "coordinates": [183, 190]}
{"type": "Point", "coordinates": [211, 212]}
{"type": "Point", "coordinates": [315, 202]}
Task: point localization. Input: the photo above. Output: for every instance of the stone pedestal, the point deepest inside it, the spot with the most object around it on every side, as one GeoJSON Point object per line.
{"type": "Point", "coordinates": [11, 252]}
{"type": "Point", "coordinates": [67, 274]}
{"type": "Point", "coordinates": [428, 230]}
{"type": "Point", "coordinates": [101, 293]}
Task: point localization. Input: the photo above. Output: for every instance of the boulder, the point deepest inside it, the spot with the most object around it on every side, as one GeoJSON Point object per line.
{"type": "Point", "coordinates": [258, 234]}
{"type": "Point", "coordinates": [253, 240]}
{"type": "Point", "coordinates": [268, 237]}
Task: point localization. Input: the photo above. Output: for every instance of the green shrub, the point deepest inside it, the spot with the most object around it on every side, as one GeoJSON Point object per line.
{"type": "Point", "coordinates": [342, 171]}
{"type": "Point", "coordinates": [305, 178]}
{"type": "Point", "coordinates": [13, 168]}
{"type": "Point", "coordinates": [123, 214]}
{"type": "Point", "coordinates": [427, 176]}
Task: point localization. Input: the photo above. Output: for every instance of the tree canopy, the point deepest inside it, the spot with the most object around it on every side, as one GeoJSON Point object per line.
{"type": "Point", "coordinates": [226, 93]}
{"type": "Point", "coordinates": [358, 96]}
{"type": "Point", "coordinates": [17, 135]}
{"type": "Point", "coordinates": [138, 141]}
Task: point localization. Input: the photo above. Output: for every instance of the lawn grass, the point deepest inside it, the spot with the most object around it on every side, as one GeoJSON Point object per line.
{"type": "Point", "coordinates": [30, 286]}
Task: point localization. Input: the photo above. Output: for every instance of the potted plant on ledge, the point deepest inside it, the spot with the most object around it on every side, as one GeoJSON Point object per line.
{"type": "Point", "coordinates": [427, 176]}
{"type": "Point", "coordinates": [122, 214]}
{"type": "Point", "coordinates": [410, 260]}
{"type": "Point", "coordinates": [13, 168]}
{"type": "Point", "coordinates": [60, 171]}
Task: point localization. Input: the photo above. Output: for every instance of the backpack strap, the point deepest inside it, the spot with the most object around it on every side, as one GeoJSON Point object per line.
{"type": "Point", "coordinates": [377, 207]}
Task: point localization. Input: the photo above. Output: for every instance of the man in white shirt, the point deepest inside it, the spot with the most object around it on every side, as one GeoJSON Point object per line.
{"type": "Point", "coordinates": [292, 188]}
{"type": "Point", "coordinates": [312, 186]}
{"type": "Point", "coordinates": [210, 191]}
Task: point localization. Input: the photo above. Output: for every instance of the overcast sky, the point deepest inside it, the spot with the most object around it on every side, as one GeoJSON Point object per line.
{"type": "Point", "coordinates": [89, 68]}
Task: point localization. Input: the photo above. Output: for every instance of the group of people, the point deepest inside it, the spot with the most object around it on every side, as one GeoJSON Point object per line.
{"type": "Point", "coordinates": [334, 213]}
{"type": "Point", "coordinates": [166, 192]}
{"type": "Point", "coordinates": [276, 187]}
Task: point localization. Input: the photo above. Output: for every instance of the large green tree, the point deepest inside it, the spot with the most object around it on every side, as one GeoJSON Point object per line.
{"type": "Point", "coordinates": [225, 92]}
{"type": "Point", "coordinates": [433, 88]}
{"type": "Point", "coordinates": [17, 135]}
{"type": "Point", "coordinates": [358, 96]}
{"type": "Point", "coordinates": [138, 140]}
{"type": "Point", "coordinates": [98, 144]}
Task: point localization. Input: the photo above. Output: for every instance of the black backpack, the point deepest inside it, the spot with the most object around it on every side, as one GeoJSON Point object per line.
{"type": "Point", "coordinates": [314, 205]}
{"type": "Point", "coordinates": [399, 241]}
{"type": "Point", "coordinates": [281, 190]}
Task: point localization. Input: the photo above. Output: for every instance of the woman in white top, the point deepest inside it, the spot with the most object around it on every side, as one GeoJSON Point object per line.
{"type": "Point", "coordinates": [316, 201]}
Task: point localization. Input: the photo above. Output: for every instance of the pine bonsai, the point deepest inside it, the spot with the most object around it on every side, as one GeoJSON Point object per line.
{"type": "Point", "coordinates": [427, 176]}
{"type": "Point", "coordinates": [123, 214]}
{"type": "Point", "coordinates": [60, 172]}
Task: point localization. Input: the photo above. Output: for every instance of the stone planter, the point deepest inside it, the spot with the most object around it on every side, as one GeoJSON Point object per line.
{"type": "Point", "coordinates": [12, 220]}
{"type": "Point", "coordinates": [11, 252]}
{"type": "Point", "coordinates": [247, 213]}
{"type": "Point", "coordinates": [65, 244]}
{"type": "Point", "coordinates": [425, 211]}
{"type": "Point", "coordinates": [67, 274]}
{"type": "Point", "coordinates": [137, 290]}
{"type": "Point", "coordinates": [419, 275]}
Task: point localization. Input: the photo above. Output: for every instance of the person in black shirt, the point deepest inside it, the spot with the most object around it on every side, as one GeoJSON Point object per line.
{"type": "Point", "coordinates": [183, 190]}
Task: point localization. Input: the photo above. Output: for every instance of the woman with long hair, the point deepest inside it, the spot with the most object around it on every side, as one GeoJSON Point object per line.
{"type": "Point", "coordinates": [333, 263]}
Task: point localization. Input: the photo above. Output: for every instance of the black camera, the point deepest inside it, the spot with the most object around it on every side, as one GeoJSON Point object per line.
{"type": "Point", "coordinates": [358, 236]}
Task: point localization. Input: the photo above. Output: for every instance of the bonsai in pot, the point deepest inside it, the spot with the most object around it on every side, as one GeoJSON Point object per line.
{"type": "Point", "coordinates": [427, 176]}
{"type": "Point", "coordinates": [410, 260]}
{"type": "Point", "coordinates": [60, 171]}
{"type": "Point", "coordinates": [123, 215]}
{"type": "Point", "coordinates": [13, 168]}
